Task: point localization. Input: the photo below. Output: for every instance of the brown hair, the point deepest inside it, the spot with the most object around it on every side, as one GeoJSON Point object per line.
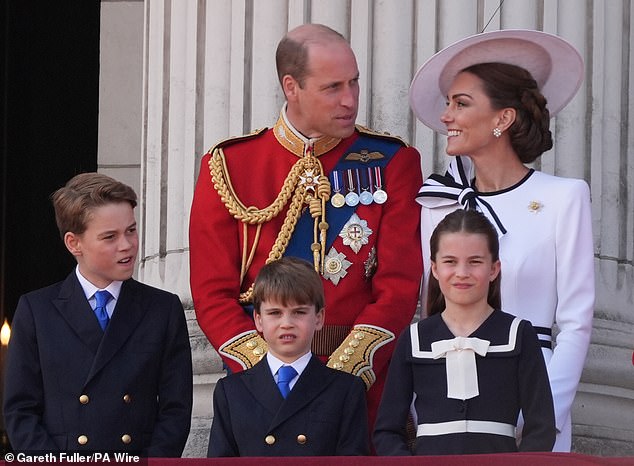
{"type": "Point", "coordinates": [75, 202]}
{"type": "Point", "coordinates": [291, 56]}
{"type": "Point", "coordinates": [464, 221]}
{"type": "Point", "coordinates": [291, 281]}
{"type": "Point", "coordinates": [512, 86]}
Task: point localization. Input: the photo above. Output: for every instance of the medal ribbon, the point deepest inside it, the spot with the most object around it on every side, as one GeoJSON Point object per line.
{"type": "Point", "coordinates": [337, 217]}
{"type": "Point", "coordinates": [377, 177]}
{"type": "Point", "coordinates": [335, 180]}
{"type": "Point", "coordinates": [350, 181]}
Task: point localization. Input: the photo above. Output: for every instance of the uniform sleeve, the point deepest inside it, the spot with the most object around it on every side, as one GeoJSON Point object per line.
{"type": "Point", "coordinates": [175, 388]}
{"type": "Point", "coordinates": [214, 250]}
{"type": "Point", "coordinates": [390, 437]}
{"type": "Point", "coordinates": [221, 439]}
{"type": "Point", "coordinates": [536, 402]}
{"type": "Point", "coordinates": [24, 386]}
{"type": "Point", "coordinates": [575, 298]}
{"type": "Point", "coordinates": [396, 283]}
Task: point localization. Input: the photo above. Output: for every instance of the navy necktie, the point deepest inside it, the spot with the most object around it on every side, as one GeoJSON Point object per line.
{"type": "Point", "coordinates": [102, 297]}
{"type": "Point", "coordinates": [284, 375]}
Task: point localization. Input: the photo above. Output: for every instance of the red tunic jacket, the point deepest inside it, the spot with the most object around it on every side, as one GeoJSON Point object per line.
{"type": "Point", "coordinates": [257, 167]}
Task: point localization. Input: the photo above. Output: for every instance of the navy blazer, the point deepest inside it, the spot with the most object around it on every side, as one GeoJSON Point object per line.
{"type": "Point", "coordinates": [325, 414]}
{"type": "Point", "coordinates": [70, 386]}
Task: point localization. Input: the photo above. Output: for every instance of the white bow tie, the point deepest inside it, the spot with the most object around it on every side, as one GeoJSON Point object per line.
{"type": "Point", "coordinates": [462, 373]}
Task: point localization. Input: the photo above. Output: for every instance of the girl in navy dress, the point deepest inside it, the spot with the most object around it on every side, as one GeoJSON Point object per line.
{"type": "Point", "coordinates": [468, 369]}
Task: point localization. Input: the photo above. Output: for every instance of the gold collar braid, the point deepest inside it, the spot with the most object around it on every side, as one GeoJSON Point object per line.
{"type": "Point", "coordinates": [304, 184]}
{"type": "Point", "coordinates": [296, 143]}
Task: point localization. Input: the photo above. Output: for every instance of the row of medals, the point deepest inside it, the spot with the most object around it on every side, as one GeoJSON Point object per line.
{"type": "Point", "coordinates": [357, 195]}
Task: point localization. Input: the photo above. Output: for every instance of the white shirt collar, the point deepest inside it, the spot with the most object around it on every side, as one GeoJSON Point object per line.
{"type": "Point", "coordinates": [89, 289]}
{"type": "Point", "coordinates": [299, 364]}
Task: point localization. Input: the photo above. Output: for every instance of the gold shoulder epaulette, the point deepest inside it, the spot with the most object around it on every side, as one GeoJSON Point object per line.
{"type": "Point", "coordinates": [378, 134]}
{"type": "Point", "coordinates": [235, 139]}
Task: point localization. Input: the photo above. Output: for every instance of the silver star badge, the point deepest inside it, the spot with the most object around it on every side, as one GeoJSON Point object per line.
{"type": "Point", "coordinates": [355, 233]}
{"type": "Point", "coordinates": [335, 266]}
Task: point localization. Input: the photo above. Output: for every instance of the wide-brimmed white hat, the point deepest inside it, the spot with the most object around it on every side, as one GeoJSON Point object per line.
{"type": "Point", "coordinates": [553, 62]}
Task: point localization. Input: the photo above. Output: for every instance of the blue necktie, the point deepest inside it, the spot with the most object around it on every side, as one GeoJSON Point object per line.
{"type": "Point", "coordinates": [102, 298]}
{"type": "Point", "coordinates": [284, 375]}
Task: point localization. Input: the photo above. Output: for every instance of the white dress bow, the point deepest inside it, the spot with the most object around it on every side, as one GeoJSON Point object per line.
{"type": "Point", "coordinates": [462, 373]}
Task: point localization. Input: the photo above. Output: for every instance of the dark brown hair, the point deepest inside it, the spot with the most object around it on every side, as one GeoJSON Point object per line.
{"type": "Point", "coordinates": [512, 86]}
{"type": "Point", "coordinates": [75, 202]}
{"type": "Point", "coordinates": [471, 222]}
{"type": "Point", "coordinates": [288, 280]}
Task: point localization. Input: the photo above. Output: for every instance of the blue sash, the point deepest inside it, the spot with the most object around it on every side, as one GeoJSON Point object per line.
{"type": "Point", "coordinates": [298, 245]}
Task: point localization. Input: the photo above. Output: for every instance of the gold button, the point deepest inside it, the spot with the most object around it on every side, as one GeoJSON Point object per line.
{"type": "Point", "coordinates": [301, 439]}
{"type": "Point", "coordinates": [258, 351]}
{"type": "Point", "coordinates": [269, 439]}
{"type": "Point", "coordinates": [82, 440]}
{"type": "Point", "coordinates": [344, 358]}
{"type": "Point", "coordinates": [252, 344]}
{"type": "Point", "coordinates": [349, 351]}
{"type": "Point", "coordinates": [84, 399]}
{"type": "Point", "coordinates": [126, 439]}
{"type": "Point", "coordinates": [127, 398]}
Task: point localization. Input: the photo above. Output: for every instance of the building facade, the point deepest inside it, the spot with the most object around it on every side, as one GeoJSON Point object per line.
{"type": "Point", "coordinates": [179, 75]}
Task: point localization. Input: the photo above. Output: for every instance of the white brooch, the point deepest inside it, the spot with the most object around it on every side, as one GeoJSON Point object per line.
{"type": "Point", "coordinates": [355, 233]}
{"type": "Point", "coordinates": [535, 206]}
{"type": "Point", "coordinates": [309, 179]}
{"type": "Point", "coordinates": [335, 266]}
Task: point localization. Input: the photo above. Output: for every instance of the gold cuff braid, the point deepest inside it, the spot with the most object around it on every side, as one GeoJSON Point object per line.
{"type": "Point", "coordinates": [355, 354]}
{"type": "Point", "coordinates": [247, 349]}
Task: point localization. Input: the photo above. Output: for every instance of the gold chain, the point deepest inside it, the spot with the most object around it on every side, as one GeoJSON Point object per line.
{"type": "Point", "coordinates": [291, 189]}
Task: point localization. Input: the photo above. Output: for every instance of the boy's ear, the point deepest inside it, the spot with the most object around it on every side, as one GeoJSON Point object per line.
{"type": "Point", "coordinates": [257, 318]}
{"type": "Point", "coordinates": [321, 316]}
{"type": "Point", "coordinates": [72, 243]}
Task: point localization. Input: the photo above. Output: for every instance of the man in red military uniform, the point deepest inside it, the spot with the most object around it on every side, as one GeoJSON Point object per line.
{"type": "Point", "coordinates": [314, 186]}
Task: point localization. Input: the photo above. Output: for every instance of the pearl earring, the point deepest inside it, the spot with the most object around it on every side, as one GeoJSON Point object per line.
{"type": "Point", "coordinates": [497, 132]}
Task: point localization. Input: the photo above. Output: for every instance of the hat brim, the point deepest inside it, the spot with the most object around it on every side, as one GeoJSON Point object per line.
{"type": "Point", "coordinates": [554, 63]}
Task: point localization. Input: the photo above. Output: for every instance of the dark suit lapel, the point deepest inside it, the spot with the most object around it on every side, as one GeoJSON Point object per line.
{"type": "Point", "coordinates": [74, 308]}
{"type": "Point", "coordinates": [314, 380]}
{"type": "Point", "coordinates": [259, 381]}
{"type": "Point", "coordinates": [128, 313]}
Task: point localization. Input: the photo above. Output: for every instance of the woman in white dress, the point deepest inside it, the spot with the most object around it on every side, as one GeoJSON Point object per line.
{"type": "Point", "coordinates": [493, 95]}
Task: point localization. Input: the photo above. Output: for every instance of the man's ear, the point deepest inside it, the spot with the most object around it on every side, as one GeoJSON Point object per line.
{"type": "Point", "coordinates": [290, 86]}
{"type": "Point", "coordinates": [72, 242]}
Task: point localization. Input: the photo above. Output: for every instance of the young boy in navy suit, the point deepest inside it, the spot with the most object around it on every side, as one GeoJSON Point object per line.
{"type": "Point", "coordinates": [99, 362]}
{"type": "Point", "coordinates": [290, 403]}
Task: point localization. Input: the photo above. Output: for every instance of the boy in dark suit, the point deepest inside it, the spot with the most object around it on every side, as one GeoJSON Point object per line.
{"type": "Point", "coordinates": [99, 362]}
{"type": "Point", "coordinates": [290, 403]}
